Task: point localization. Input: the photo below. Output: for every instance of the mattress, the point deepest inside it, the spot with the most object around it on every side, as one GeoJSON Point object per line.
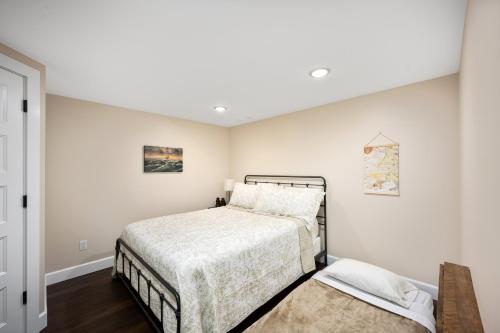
{"type": "Point", "coordinates": [317, 245]}
{"type": "Point", "coordinates": [314, 229]}
{"type": "Point", "coordinates": [224, 263]}
{"type": "Point", "coordinates": [317, 307]}
{"type": "Point", "coordinates": [420, 310]}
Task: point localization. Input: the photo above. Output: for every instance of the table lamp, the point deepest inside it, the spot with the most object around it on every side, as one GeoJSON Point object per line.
{"type": "Point", "coordinates": [228, 187]}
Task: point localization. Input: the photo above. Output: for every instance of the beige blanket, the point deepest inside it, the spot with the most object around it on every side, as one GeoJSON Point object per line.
{"type": "Point", "coordinates": [317, 307]}
{"type": "Point", "coordinates": [224, 263]}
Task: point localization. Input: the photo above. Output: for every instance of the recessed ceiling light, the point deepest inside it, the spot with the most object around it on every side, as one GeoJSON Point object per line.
{"type": "Point", "coordinates": [220, 108]}
{"type": "Point", "coordinates": [319, 73]}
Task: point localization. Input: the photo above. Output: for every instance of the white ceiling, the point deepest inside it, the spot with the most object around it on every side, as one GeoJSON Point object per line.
{"type": "Point", "coordinates": [180, 58]}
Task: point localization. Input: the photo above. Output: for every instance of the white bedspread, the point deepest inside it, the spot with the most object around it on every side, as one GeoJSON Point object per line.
{"type": "Point", "coordinates": [421, 310]}
{"type": "Point", "coordinates": [224, 263]}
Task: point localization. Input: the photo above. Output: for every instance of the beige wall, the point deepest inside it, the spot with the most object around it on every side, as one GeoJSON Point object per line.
{"type": "Point", "coordinates": [447, 128]}
{"type": "Point", "coordinates": [410, 234]}
{"type": "Point", "coordinates": [95, 180]}
{"type": "Point", "coordinates": [480, 139]}
{"type": "Point", "coordinates": [4, 49]}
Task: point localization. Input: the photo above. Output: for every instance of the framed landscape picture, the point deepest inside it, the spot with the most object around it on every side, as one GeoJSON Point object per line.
{"type": "Point", "coordinates": [162, 159]}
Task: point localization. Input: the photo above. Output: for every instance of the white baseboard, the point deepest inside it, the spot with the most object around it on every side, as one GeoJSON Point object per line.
{"type": "Point", "coordinates": [331, 259]}
{"type": "Point", "coordinates": [42, 318]}
{"type": "Point", "coordinates": [79, 270]}
{"type": "Point", "coordinates": [427, 287]}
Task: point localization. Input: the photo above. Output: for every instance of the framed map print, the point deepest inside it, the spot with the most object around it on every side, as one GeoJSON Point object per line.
{"type": "Point", "coordinates": [381, 169]}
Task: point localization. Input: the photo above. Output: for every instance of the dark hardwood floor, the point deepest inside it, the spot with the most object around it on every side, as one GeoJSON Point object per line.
{"type": "Point", "coordinates": [93, 303]}
{"type": "Point", "coordinates": [96, 303]}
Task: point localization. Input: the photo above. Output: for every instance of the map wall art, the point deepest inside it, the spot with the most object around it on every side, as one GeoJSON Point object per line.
{"type": "Point", "coordinates": [382, 169]}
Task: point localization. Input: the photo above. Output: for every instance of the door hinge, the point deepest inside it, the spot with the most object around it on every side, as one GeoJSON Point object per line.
{"type": "Point", "coordinates": [25, 105]}
{"type": "Point", "coordinates": [25, 201]}
{"type": "Point", "coordinates": [25, 297]}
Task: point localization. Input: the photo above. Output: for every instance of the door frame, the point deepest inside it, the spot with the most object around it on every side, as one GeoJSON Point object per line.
{"type": "Point", "coordinates": [33, 177]}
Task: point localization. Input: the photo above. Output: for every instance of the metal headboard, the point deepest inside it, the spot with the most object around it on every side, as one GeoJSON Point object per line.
{"type": "Point", "coordinates": [300, 181]}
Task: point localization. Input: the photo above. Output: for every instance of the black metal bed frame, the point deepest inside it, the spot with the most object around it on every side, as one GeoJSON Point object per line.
{"type": "Point", "coordinates": [122, 247]}
{"type": "Point", "coordinates": [136, 294]}
{"type": "Point", "coordinates": [299, 181]}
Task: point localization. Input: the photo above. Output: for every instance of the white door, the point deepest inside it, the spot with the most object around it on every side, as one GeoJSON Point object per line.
{"type": "Point", "coordinates": [11, 202]}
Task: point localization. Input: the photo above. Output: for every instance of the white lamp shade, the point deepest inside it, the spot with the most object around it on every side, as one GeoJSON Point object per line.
{"type": "Point", "coordinates": [228, 185]}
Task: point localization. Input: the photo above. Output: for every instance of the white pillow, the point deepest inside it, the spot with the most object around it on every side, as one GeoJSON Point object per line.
{"type": "Point", "coordinates": [303, 203]}
{"type": "Point", "coordinates": [295, 202]}
{"type": "Point", "coordinates": [268, 200]}
{"type": "Point", "coordinates": [244, 195]}
{"type": "Point", "coordinates": [266, 187]}
{"type": "Point", "coordinates": [265, 194]}
{"type": "Point", "coordinates": [374, 280]}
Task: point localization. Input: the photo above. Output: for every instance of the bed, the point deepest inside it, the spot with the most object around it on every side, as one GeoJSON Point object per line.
{"type": "Point", "coordinates": [208, 270]}
{"type": "Point", "coordinates": [326, 304]}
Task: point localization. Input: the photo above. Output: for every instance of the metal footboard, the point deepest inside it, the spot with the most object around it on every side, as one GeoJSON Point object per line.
{"type": "Point", "coordinates": [158, 324]}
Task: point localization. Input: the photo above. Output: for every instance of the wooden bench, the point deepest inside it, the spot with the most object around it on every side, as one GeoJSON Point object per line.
{"type": "Point", "coordinates": [457, 309]}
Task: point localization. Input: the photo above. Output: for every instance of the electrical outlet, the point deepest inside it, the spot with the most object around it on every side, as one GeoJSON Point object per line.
{"type": "Point", "coordinates": [83, 245]}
